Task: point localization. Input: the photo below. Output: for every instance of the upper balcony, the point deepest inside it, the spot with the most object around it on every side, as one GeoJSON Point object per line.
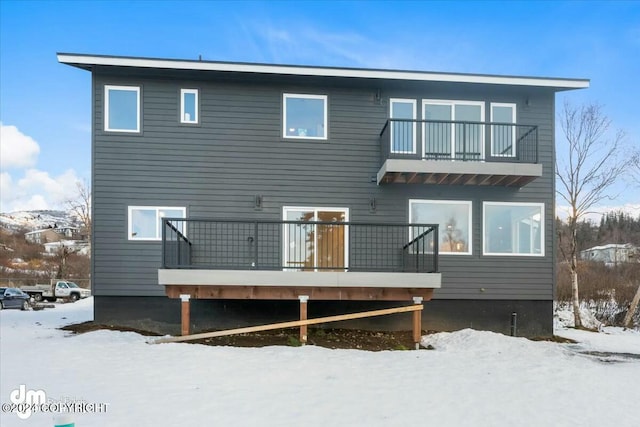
{"type": "Point", "coordinates": [458, 153]}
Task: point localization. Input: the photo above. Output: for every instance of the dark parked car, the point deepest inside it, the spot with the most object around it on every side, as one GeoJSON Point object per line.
{"type": "Point", "coordinates": [13, 298]}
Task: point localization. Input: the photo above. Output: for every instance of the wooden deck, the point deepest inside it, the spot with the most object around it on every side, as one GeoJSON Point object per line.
{"type": "Point", "coordinates": [299, 285]}
{"type": "Point", "coordinates": [293, 292]}
{"type": "Point", "coordinates": [288, 285]}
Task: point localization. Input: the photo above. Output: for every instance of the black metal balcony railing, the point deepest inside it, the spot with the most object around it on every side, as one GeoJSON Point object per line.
{"type": "Point", "coordinates": [457, 140]}
{"type": "Point", "coordinates": [298, 246]}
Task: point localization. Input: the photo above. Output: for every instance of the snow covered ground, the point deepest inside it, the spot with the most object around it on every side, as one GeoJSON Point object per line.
{"type": "Point", "coordinates": [471, 378]}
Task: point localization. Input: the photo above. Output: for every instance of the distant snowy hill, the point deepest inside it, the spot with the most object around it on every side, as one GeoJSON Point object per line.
{"type": "Point", "coordinates": [35, 220]}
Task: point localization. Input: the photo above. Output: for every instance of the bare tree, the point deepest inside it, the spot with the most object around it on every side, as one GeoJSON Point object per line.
{"type": "Point", "coordinates": [62, 257]}
{"type": "Point", "coordinates": [80, 206]}
{"type": "Point", "coordinates": [591, 163]}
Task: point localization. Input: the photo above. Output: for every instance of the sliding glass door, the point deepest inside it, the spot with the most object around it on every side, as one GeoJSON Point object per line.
{"type": "Point", "coordinates": [453, 129]}
{"type": "Point", "coordinates": [315, 247]}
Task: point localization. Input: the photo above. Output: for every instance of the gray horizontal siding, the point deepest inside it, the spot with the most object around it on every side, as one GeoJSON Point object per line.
{"type": "Point", "coordinates": [216, 168]}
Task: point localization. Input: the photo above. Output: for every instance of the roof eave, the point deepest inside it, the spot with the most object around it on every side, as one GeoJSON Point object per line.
{"type": "Point", "coordinates": [87, 62]}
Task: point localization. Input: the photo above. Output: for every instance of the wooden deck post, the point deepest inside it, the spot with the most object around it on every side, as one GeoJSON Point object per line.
{"type": "Point", "coordinates": [417, 323]}
{"type": "Point", "coordinates": [186, 315]}
{"type": "Point", "coordinates": [303, 316]}
{"type": "Point", "coordinates": [293, 324]}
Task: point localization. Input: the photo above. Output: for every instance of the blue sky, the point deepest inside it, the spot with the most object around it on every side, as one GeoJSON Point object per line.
{"type": "Point", "coordinates": [45, 106]}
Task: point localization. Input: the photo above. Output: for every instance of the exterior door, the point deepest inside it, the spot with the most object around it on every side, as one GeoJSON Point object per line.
{"type": "Point", "coordinates": [315, 247]}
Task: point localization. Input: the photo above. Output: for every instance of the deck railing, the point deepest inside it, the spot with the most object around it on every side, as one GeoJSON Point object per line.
{"type": "Point", "coordinates": [458, 140]}
{"type": "Point", "coordinates": [299, 246]}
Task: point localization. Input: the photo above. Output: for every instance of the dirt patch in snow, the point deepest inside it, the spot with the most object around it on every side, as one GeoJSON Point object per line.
{"type": "Point", "coordinates": [323, 337]}
{"type": "Point", "coordinates": [328, 338]}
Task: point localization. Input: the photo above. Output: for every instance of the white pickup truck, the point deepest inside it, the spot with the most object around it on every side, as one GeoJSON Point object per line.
{"type": "Point", "coordinates": [57, 289]}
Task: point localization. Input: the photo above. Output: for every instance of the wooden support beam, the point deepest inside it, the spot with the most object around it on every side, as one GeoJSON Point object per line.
{"type": "Point", "coordinates": [293, 324]}
{"type": "Point", "coordinates": [497, 179]}
{"type": "Point", "coordinates": [443, 177]}
{"type": "Point", "coordinates": [470, 179]}
{"type": "Point", "coordinates": [417, 323]}
{"type": "Point", "coordinates": [185, 317]}
{"type": "Point", "coordinates": [292, 292]}
{"type": "Point", "coordinates": [303, 316]}
{"type": "Point", "coordinates": [513, 181]}
{"type": "Point", "coordinates": [486, 179]}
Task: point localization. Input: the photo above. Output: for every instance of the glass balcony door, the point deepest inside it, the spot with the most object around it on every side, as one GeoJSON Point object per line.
{"type": "Point", "coordinates": [437, 133]}
{"type": "Point", "coordinates": [315, 247]}
{"type": "Point", "coordinates": [453, 130]}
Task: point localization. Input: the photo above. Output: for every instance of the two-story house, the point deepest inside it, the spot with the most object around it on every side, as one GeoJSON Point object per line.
{"type": "Point", "coordinates": [249, 186]}
{"type": "Point", "coordinates": [612, 254]}
{"type": "Point", "coordinates": [51, 234]}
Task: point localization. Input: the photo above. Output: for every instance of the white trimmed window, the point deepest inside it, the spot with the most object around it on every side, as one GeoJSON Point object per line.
{"type": "Point", "coordinates": [189, 106]}
{"type": "Point", "coordinates": [513, 228]}
{"type": "Point", "coordinates": [121, 108]}
{"type": "Point", "coordinates": [503, 134]}
{"type": "Point", "coordinates": [454, 223]}
{"type": "Point", "coordinates": [304, 116]}
{"type": "Point", "coordinates": [403, 131]}
{"type": "Point", "coordinates": [145, 222]}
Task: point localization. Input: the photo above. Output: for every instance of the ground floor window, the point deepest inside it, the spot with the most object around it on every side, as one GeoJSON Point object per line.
{"type": "Point", "coordinates": [145, 222]}
{"type": "Point", "coordinates": [513, 228]}
{"type": "Point", "coordinates": [454, 223]}
{"type": "Point", "coordinates": [315, 247]}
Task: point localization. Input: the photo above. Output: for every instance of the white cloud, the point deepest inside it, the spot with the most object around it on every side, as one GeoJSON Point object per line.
{"type": "Point", "coordinates": [17, 150]}
{"type": "Point", "coordinates": [6, 185]}
{"type": "Point", "coordinates": [36, 190]}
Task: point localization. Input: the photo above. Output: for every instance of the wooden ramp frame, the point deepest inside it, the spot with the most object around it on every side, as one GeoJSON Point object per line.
{"type": "Point", "coordinates": [303, 323]}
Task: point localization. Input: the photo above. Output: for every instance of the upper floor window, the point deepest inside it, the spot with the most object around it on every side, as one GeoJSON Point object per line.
{"type": "Point", "coordinates": [304, 116]}
{"type": "Point", "coordinates": [454, 222]}
{"type": "Point", "coordinates": [122, 108]}
{"type": "Point", "coordinates": [403, 130]}
{"type": "Point", "coordinates": [145, 222]}
{"type": "Point", "coordinates": [503, 134]}
{"type": "Point", "coordinates": [189, 106]}
{"type": "Point", "coordinates": [513, 228]}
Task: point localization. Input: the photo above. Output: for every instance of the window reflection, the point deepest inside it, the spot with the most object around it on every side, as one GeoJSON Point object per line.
{"type": "Point", "coordinates": [305, 116]}
{"type": "Point", "coordinates": [512, 228]}
{"type": "Point", "coordinates": [453, 219]}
